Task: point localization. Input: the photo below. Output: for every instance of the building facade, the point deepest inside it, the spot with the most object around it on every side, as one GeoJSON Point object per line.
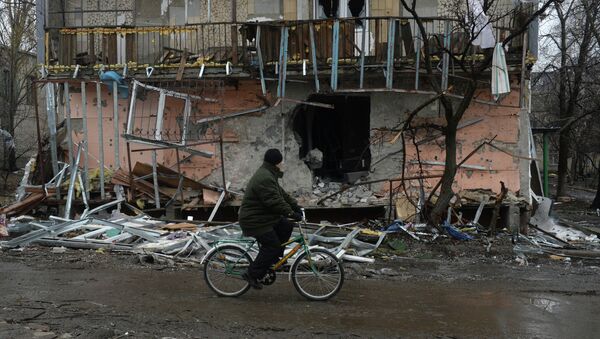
{"type": "Point", "coordinates": [206, 87]}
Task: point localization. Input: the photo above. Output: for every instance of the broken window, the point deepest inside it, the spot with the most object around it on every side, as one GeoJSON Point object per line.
{"type": "Point", "coordinates": [150, 12]}
{"type": "Point", "coordinates": [264, 9]}
{"type": "Point", "coordinates": [335, 142]}
{"type": "Point", "coordinates": [340, 9]}
{"type": "Point", "coordinates": [328, 8]}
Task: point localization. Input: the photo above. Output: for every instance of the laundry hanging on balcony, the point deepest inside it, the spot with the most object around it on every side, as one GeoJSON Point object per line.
{"type": "Point", "coordinates": [481, 27]}
{"type": "Point", "coordinates": [500, 80]}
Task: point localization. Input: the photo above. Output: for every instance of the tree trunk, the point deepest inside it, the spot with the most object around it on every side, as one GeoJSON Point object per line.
{"type": "Point", "coordinates": [573, 172]}
{"type": "Point", "coordinates": [596, 203]}
{"type": "Point", "coordinates": [447, 180]}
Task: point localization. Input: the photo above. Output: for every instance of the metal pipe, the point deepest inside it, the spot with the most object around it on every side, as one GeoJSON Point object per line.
{"type": "Point", "coordinates": [313, 53]}
{"type": "Point", "coordinates": [73, 170]}
{"type": "Point", "coordinates": [116, 124]}
{"type": "Point", "coordinates": [160, 115]}
{"type": "Point", "coordinates": [187, 109]}
{"type": "Point", "coordinates": [67, 107]}
{"type": "Point", "coordinates": [155, 180]}
{"type": "Point", "coordinates": [180, 177]}
{"type": "Point", "coordinates": [51, 114]}
{"type": "Point", "coordinates": [335, 54]}
{"type": "Point", "coordinates": [546, 165]}
{"type": "Point", "coordinates": [175, 146]}
{"type": "Point", "coordinates": [283, 56]}
{"type": "Point", "coordinates": [232, 115]}
{"type": "Point", "coordinates": [83, 190]}
{"type": "Point", "coordinates": [131, 115]}
{"type": "Point", "coordinates": [260, 62]}
{"type": "Point", "coordinates": [131, 181]}
{"type": "Point", "coordinates": [100, 137]}
{"type": "Point", "coordinates": [446, 56]}
{"type": "Point", "coordinates": [222, 158]}
{"type": "Point", "coordinates": [362, 53]}
{"type": "Point", "coordinates": [85, 132]}
{"type": "Point", "coordinates": [389, 76]}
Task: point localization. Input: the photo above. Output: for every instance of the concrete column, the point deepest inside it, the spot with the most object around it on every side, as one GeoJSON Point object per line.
{"type": "Point", "coordinates": [40, 24]}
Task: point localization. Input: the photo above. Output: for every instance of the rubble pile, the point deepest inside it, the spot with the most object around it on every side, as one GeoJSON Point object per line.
{"type": "Point", "coordinates": [183, 240]}
{"type": "Point", "coordinates": [347, 195]}
{"type": "Point", "coordinates": [105, 227]}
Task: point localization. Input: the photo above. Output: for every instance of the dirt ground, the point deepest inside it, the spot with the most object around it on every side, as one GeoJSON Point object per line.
{"type": "Point", "coordinates": [445, 289]}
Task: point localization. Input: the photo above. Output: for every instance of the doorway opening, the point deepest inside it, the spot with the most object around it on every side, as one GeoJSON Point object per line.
{"type": "Point", "coordinates": [335, 143]}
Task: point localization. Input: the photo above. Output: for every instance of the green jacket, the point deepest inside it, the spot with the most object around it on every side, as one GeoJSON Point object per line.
{"type": "Point", "coordinates": [265, 202]}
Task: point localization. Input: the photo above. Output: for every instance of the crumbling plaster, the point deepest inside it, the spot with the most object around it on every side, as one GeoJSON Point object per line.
{"type": "Point", "coordinates": [256, 134]}
{"type": "Point", "coordinates": [248, 137]}
{"type": "Point", "coordinates": [389, 110]}
{"type": "Point", "coordinates": [500, 121]}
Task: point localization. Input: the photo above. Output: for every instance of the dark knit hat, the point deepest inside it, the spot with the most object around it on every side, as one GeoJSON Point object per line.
{"type": "Point", "coordinates": [273, 156]}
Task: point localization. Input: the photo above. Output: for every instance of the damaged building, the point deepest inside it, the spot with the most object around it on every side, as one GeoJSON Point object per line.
{"type": "Point", "coordinates": [169, 102]}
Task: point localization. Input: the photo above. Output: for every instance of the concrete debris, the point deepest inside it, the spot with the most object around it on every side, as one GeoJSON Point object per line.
{"type": "Point", "coordinates": [314, 159]}
{"type": "Point", "coordinates": [543, 221]}
{"type": "Point", "coordinates": [3, 228]}
{"type": "Point", "coordinates": [350, 195]}
{"type": "Point", "coordinates": [475, 196]}
{"type": "Point", "coordinates": [555, 238]}
{"type": "Point", "coordinates": [59, 250]}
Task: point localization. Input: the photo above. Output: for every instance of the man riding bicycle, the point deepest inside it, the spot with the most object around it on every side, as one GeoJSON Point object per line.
{"type": "Point", "coordinates": [264, 215]}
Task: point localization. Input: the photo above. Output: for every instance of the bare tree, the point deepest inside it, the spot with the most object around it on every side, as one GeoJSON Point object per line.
{"type": "Point", "coordinates": [572, 48]}
{"type": "Point", "coordinates": [469, 25]}
{"type": "Point", "coordinates": [17, 65]}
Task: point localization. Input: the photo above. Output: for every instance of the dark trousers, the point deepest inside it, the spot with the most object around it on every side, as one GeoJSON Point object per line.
{"type": "Point", "coordinates": [270, 249]}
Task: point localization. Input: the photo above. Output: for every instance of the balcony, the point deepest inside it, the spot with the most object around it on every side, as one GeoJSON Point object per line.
{"type": "Point", "coordinates": [247, 49]}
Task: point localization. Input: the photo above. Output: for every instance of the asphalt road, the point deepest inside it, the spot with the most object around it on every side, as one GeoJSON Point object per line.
{"type": "Point", "coordinates": [69, 299]}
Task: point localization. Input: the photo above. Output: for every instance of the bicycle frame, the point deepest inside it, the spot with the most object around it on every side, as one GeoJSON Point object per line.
{"type": "Point", "coordinates": [301, 243]}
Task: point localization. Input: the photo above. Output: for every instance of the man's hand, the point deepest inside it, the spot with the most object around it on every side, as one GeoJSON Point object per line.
{"type": "Point", "coordinates": [296, 216]}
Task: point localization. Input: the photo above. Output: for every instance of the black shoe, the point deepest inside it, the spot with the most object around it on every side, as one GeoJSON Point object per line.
{"type": "Point", "coordinates": [253, 282]}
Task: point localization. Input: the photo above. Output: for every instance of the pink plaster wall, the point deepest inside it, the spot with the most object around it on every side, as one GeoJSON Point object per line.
{"type": "Point", "coordinates": [240, 98]}
{"type": "Point", "coordinates": [501, 121]}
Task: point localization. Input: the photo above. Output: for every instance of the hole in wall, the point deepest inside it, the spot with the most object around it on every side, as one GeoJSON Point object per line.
{"type": "Point", "coordinates": [335, 143]}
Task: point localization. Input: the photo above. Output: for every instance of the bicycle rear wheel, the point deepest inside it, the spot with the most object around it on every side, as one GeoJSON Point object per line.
{"type": "Point", "coordinates": [223, 271]}
{"type": "Point", "coordinates": [317, 275]}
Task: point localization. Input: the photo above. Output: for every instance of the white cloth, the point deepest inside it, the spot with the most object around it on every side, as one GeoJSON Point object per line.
{"type": "Point", "coordinates": [481, 27]}
{"type": "Point", "coordinates": [500, 80]}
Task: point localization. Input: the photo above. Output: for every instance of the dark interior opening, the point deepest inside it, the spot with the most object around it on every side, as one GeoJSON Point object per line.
{"type": "Point", "coordinates": [330, 8]}
{"type": "Point", "coordinates": [341, 135]}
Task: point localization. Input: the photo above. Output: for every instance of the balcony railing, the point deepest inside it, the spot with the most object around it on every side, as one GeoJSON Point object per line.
{"type": "Point", "coordinates": [250, 44]}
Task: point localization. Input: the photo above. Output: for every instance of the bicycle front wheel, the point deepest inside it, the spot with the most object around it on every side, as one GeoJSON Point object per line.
{"type": "Point", "coordinates": [223, 271]}
{"type": "Point", "coordinates": [317, 275]}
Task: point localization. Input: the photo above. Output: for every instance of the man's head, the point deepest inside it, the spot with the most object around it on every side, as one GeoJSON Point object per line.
{"type": "Point", "coordinates": [274, 157]}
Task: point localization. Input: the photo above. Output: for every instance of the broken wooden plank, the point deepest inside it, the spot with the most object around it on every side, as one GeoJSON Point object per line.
{"type": "Point", "coordinates": [182, 63]}
{"type": "Point", "coordinates": [24, 205]}
{"type": "Point", "coordinates": [167, 176]}
{"type": "Point", "coordinates": [221, 198]}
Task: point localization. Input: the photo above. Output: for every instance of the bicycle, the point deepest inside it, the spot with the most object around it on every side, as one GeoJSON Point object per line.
{"type": "Point", "coordinates": [316, 273]}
